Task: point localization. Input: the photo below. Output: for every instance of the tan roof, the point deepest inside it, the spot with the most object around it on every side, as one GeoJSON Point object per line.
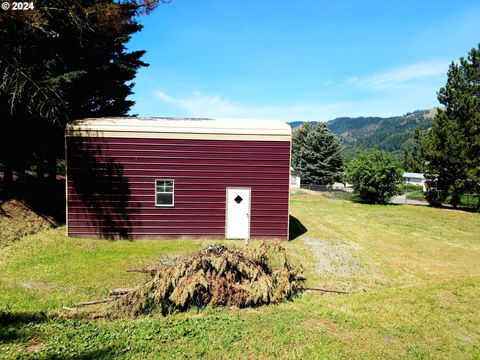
{"type": "Point", "coordinates": [242, 129]}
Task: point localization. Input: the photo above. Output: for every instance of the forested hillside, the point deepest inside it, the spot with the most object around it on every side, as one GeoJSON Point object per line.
{"type": "Point", "coordinates": [391, 134]}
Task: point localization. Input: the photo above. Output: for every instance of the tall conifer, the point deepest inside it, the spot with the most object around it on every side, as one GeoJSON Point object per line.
{"type": "Point", "coordinates": [452, 147]}
{"type": "Point", "coordinates": [317, 155]}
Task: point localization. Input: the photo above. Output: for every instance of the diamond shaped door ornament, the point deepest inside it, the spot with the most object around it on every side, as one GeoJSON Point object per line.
{"type": "Point", "coordinates": [238, 199]}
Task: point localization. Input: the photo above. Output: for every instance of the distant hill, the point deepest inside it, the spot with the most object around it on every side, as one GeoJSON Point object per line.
{"type": "Point", "coordinates": [389, 134]}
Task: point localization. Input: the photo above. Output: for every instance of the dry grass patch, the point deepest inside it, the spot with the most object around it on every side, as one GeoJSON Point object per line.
{"type": "Point", "coordinates": [18, 220]}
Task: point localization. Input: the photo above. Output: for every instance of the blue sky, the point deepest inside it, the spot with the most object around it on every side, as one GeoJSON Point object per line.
{"type": "Point", "coordinates": [299, 60]}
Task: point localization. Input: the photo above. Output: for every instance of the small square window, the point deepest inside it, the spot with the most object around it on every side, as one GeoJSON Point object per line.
{"type": "Point", "coordinates": [164, 192]}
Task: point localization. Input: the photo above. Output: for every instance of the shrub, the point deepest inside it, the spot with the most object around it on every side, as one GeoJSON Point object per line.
{"type": "Point", "coordinates": [374, 176]}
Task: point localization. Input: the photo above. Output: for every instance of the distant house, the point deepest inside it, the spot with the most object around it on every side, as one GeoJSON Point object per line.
{"type": "Point", "coordinates": [342, 186]}
{"type": "Point", "coordinates": [294, 179]}
{"type": "Point", "coordinates": [414, 179]}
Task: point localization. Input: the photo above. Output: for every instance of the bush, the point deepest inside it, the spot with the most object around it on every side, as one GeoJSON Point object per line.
{"type": "Point", "coordinates": [374, 176]}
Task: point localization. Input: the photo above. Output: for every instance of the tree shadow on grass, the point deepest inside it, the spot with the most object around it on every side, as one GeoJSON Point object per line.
{"type": "Point", "coordinates": [20, 328]}
{"type": "Point", "coordinates": [16, 326]}
{"type": "Point", "coordinates": [296, 228]}
{"type": "Point", "coordinates": [449, 207]}
{"type": "Point", "coordinates": [105, 352]}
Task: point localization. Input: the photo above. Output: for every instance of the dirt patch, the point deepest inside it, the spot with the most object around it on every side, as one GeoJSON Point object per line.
{"type": "Point", "coordinates": [335, 256]}
{"type": "Point", "coordinates": [387, 337]}
{"type": "Point", "coordinates": [317, 323]}
{"type": "Point", "coordinates": [36, 286]}
{"type": "Point", "coordinates": [34, 346]}
{"type": "Point", "coordinates": [465, 338]}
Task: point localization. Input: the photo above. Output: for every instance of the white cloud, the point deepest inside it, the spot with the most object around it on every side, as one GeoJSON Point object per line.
{"type": "Point", "coordinates": [202, 104]}
{"type": "Point", "coordinates": [401, 77]}
{"type": "Point", "coordinates": [214, 106]}
{"type": "Point", "coordinates": [393, 92]}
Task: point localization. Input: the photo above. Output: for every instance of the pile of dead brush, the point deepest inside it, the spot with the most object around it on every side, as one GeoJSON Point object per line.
{"type": "Point", "coordinates": [215, 276]}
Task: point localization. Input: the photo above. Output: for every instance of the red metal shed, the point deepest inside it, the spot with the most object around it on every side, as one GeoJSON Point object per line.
{"type": "Point", "coordinates": [178, 178]}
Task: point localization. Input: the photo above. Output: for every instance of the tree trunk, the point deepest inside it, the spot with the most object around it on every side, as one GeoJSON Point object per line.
{"type": "Point", "coordinates": [7, 176]}
{"type": "Point", "coordinates": [40, 168]}
{"type": "Point", "coordinates": [455, 200]}
{"type": "Point", "coordinates": [52, 168]}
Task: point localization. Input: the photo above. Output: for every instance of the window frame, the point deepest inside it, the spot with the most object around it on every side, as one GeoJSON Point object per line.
{"type": "Point", "coordinates": [165, 192]}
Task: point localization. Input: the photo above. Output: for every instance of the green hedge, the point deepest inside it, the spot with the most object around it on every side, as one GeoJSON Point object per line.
{"type": "Point", "coordinates": [409, 187]}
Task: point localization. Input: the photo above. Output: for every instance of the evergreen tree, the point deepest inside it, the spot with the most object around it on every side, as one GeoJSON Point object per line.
{"type": "Point", "coordinates": [452, 146]}
{"type": "Point", "coordinates": [298, 142]}
{"type": "Point", "coordinates": [413, 154]}
{"type": "Point", "coordinates": [317, 155]}
{"type": "Point", "coordinates": [374, 176]}
{"type": "Point", "coordinates": [62, 61]}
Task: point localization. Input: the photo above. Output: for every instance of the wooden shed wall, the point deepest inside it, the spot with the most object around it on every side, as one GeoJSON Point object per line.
{"type": "Point", "coordinates": [111, 186]}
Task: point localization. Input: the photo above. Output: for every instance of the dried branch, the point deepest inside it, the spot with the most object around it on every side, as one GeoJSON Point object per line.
{"type": "Point", "coordinates": [86, 303]}
{"type": "Point", "coordinates": [119, 291]}
{"type": "Point", "coordinates": [327, 290]}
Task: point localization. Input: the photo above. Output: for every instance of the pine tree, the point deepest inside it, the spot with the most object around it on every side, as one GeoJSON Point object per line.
{"type": "Point", "coordinates": [317, 155]}
{"type": "Point", "coordinates": [62, 61]}
{"type": "Point", "coordinates": [298, 142]}
{"type": "Point", "coordinates": [413, 154]}
{"type": "Point", "coordinates": [452, 146]}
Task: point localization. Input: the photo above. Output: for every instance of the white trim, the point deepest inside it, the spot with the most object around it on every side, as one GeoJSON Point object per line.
{"type": "Point", "coordinates": [189, 136]}
{"type": "Point", "coordinates": [230, 126]}
{"type": "Point", "coordinates": [66, 187]}
{"type": "Point", "coordinates": [168, 128]}
{"type": "Point", "coordinates": [289, 180]}
{"type": "Point", "coordinates": [164, 192]}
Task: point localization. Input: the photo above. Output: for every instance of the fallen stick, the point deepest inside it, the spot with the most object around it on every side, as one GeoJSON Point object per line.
{"type": "Point", "coordinates": [69, 308]}
{"type": "Point", "coordinates": [92, 302]}
{"type": "Point", "coordinates": [146, 271]}
{"type": "Point", "coordinates": [327, 290]}
{"type": "Point", "coordinates": [119, 291]}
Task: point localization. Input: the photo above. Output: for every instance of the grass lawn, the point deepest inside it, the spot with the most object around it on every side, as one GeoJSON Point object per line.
{"type": "Point", "coordinates": [413, 273]}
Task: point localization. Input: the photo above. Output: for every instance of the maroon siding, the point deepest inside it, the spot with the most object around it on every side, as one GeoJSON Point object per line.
{"type": "Point", "coordinates": [111, 186]}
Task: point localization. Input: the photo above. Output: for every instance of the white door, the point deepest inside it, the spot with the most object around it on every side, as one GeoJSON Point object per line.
{"type": "Point", "coordinates": [238, 213]}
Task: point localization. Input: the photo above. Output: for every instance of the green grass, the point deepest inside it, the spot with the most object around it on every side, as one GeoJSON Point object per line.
{"type": "Point", "coordinates": [416, 194]}
{"type": "Point", "coordinates": [415, 294]}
